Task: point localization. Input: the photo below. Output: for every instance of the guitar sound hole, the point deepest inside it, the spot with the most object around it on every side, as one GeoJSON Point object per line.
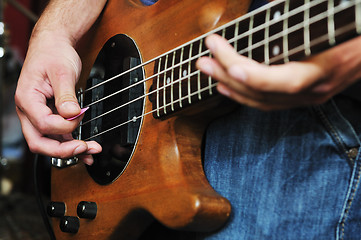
{"type": "Point", "coordinates": [116, 107]}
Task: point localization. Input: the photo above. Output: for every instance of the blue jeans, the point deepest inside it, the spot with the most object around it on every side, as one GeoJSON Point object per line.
{"type": "Point", "coordinates": [288, 174]}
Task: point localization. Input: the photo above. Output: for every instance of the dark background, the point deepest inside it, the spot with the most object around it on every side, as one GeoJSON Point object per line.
{"type": "Point", "coordinates": [19, 214]}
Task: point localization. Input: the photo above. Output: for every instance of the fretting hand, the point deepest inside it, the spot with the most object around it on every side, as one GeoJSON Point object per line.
{"type": "Point", "coordinates": [289, 85]}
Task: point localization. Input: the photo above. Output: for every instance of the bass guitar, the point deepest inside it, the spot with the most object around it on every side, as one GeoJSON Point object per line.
{"type": "Point", "coordinates": [149, 107]}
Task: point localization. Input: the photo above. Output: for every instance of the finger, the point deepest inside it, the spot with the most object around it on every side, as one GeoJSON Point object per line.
{"type": "Point", "coordinates": [288, 78]}
{"type": "Point", "coordinates": [214, 69]}
{"type": "Point", "coordinates": [87, 159]}
{"type": "Point", "coordinates": [32, 102]}
{"type": "Point", "coordinates": [286, 103]}
{"type": "Point", "coordinates": [63, 82]}
{"type": "Point", "coordinates": [38, 143]}
{"type": "Point", "coordinates": [259, 99]}
{"type": "Point", "coordinates": [43, 119]}
{"type": "Point", "coordinates": [224, 52]}
{"type": "Point", "coordinates": [93, 147]}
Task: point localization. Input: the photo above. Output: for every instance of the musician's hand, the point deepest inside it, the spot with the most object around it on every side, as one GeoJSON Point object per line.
{"type": "Point", "coordinates": [45, 98]}
{"type": "Point", "coordinates": [289, 85]}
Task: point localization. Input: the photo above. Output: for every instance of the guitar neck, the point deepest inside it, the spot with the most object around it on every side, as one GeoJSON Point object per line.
{"type": "Point", "coordinates": [282, 31]}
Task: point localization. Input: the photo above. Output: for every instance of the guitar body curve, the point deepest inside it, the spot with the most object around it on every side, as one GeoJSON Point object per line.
{"type": "Point", "coordinates": [164, 178]}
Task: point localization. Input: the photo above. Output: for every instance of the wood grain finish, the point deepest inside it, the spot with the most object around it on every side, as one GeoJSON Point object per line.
{"type": "Point", "coordinates": [164, 179]}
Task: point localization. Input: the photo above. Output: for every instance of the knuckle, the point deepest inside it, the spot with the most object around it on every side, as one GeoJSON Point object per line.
{"type": "Point", "coordinates": [34, 147]}
{"type": "Point", "coordinates": [17, 98]}
{"type": "Point", "coordinates": [42, 126]}
{"type": "Point", "coordinates": [296, 86]}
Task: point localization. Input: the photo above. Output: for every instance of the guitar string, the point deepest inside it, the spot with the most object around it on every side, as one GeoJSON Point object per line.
{"type": "Point", "coordinates": [278, 57]}
{"type": "Point", "coordinates": [135, 118]}
{"type": "Point", "coordinates": [245, 34]}
{"type": "Point", "coordinates": [241, 18]}
{"type": "Point", "coordinates": [179, 80]}
{"type": "Point", "coordinates": [258, 44]}
{"type": "Point", "coordinates": [185, 62]}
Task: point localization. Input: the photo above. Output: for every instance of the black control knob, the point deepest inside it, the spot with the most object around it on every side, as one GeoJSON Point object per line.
{"type": "Point", "coordinates": [87, 210]}
{"type": "Point", "coordinates": [56, 209]}
{"type": "Point", "coordinates": [69, 224]}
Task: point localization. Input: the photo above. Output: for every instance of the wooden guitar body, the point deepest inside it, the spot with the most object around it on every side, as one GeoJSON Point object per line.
{"type": "Point", "coordinates": [164, 179]}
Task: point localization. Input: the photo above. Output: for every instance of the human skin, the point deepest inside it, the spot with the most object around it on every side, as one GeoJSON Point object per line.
{"type": "Point", "coordinates": [52, 68]}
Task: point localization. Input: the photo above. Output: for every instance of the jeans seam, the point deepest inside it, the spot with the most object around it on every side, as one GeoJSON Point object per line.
{"type": "Point", "coordinates": [332, 130]}
{"type": "Point", "coordinates": [355, 180]}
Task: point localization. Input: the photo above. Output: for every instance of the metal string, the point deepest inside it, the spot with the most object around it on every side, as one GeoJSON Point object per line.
{"type": "Point", "coordinates": [272, 60]}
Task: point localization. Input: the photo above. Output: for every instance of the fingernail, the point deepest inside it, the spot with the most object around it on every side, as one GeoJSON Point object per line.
{"type": "Point", "coordinates": [92, 151]}
{"type": "Point", "coordinates": [237, 73]}
{"type": "Point", "coordinates": [80, 149]}
{"type": "Point", "coordinates": [70, 106]}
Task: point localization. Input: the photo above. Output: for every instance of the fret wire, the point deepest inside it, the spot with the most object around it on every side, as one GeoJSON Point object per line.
{"type": "Point", "coordinates": [294, 28]}
{"type": "Point", "coordinates": [323, 38]}
{"type": "Point", "coordinates": [266, 37]}
{"type": "Point", "coordinates": [358, 16]}
{"type": "Point", "coordinates": [250, 15]}
{"type": "Point", "coordinates": [246, 34]}
{"type": "Point", "coordinates": [236, 30]}
{"type": "Point", "coordinates": [318, 40]}
{"type": "Point", "coordinates": [306, 31]}
{"type": "Point", "coordinates": [165, 83]}
{"type": "Point", "coordinates": [160, 72]}
{"type": "Point", "coordinates": [199, 74]}
{"type": "Point", "coordinates": [223, 32]}
{"type": "Point", "coordinates": [331, 22]}
{"type": "Point", "coordinates": [210, 78]}
{"type": "Point", "coordinates": [250, 36]}
{"type": "Point", "coordinates": [180, 75]}
{"type": "Point", "coordinates": [300, 48]}
{"type": "Point", "coordinates": [189, 71]}
{"type": "Point", "coordinates": [340, 31]}
{"type": "Point", "coordinates": [209, 84]}
{"type": "Point", "coordinates": [172, 79]}
{"type": "Point", "coordinates": [285, 30]}
{"type": "Point", "coordinates": [158, 79]}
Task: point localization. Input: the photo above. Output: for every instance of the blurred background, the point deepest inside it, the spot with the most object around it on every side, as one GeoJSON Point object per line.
{"type": "Point", "coordinates": [19, 214]}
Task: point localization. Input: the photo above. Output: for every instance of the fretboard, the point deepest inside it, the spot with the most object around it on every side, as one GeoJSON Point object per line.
{"type": "Point", "coordinates": [282, 31]}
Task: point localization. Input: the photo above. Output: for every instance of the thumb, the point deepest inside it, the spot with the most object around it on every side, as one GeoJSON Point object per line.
{"type": "Point", "coordinates": [63, 85]}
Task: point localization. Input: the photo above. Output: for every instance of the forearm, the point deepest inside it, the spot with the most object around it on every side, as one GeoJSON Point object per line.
{"type": "Point", "coordinates": [68, 19]}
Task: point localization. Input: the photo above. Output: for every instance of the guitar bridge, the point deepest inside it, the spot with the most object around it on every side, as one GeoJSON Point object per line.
{"type": "Point", "coordinates": [63, 163]}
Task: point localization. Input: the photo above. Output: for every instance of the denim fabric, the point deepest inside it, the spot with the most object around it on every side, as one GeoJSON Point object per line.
{"type": "Point", "coordinates": [288, 174]}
